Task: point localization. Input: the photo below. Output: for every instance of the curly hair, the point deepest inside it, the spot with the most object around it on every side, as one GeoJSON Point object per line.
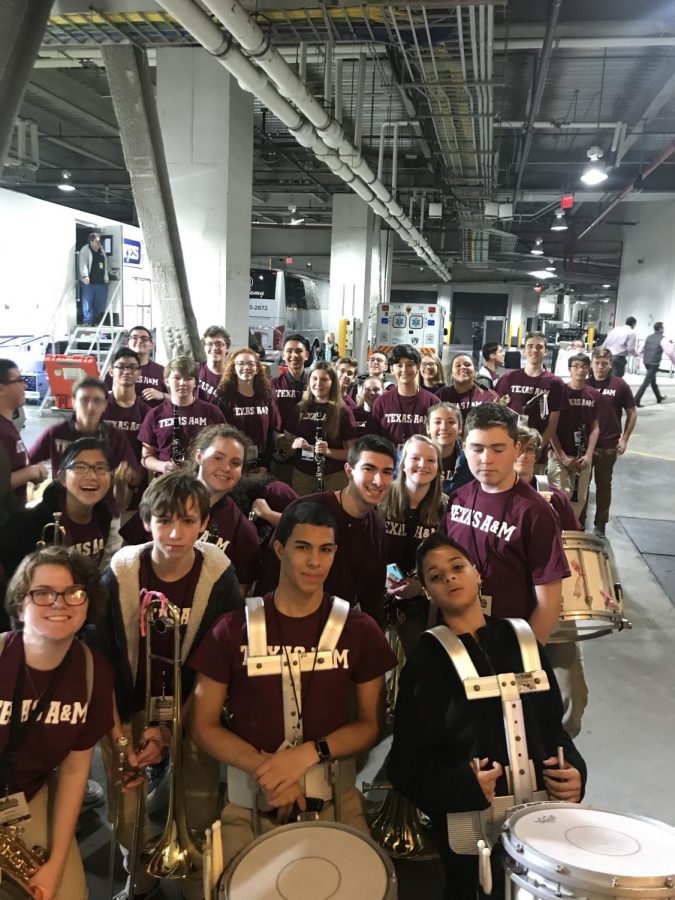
{"type": "Point", "coordinates": [203, 440]}
{"type": "Point", "coordinates": [82, 569]}
{"type": "Point", "coordinates": [227, 387]}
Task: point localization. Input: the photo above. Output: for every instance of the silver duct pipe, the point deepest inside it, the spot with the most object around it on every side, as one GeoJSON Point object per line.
{"type": "Point", "coordinates": [255, 81]}
{"type": "Point", "coordinates": [237, 21]}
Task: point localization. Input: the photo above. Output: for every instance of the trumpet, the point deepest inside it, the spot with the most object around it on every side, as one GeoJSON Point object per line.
{"type": "Point", "coordinates": [177, 853]}
{"type": "Point", "coordinates": [53, 534]}
{"type": "Point", "coordinates": [18, 862]}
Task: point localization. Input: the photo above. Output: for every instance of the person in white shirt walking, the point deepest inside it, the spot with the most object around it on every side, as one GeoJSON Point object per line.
{"type": "Point", "coordinates": [622, 342]}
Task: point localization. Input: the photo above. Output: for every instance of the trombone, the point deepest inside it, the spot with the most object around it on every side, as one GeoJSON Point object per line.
{"type": "Point", "coordinates": [176, 854]}
{"type": "Point", "coordinates": [53, 534]}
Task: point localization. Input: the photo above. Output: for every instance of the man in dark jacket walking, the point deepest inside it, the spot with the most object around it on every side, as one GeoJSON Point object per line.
{"type": "Point", "coordinates": [655, 346]}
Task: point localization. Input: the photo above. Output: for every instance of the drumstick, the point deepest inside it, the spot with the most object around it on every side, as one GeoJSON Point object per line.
{"type": "Point", "coordinates": [561, 758]}
{"type": "Point", "coordinates": [475, 762]}
{"type": "Point", "coordinates": [217, 852]}
{"type": "Point", "coordinates": [208, 856]}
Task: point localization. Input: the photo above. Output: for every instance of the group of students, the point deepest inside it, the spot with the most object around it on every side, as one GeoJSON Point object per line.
{"type": "Point", "coordinates": [426, 511]}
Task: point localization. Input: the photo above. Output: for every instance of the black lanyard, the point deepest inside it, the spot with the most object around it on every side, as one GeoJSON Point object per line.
{"type": "Point", "coordinates": [18, 730]}
{"type": "Point", "coordinates": [480, 565]}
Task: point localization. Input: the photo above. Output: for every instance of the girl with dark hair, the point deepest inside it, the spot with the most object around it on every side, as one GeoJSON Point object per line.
{"type": "Point", "coordinates": [321, 427]}
{"type": "Point", "coordinates": [246, 398]}
{"type": "Point", "coordinates": [66, 690]}
{"type": "Point", "coordinates": [444, 426]}
{"type": "Point", "coordinates": [463, 389]}
{"type": "Point", "coordinates": [412, 510]}
{"type": "Point", "coordinates": [78, 500]}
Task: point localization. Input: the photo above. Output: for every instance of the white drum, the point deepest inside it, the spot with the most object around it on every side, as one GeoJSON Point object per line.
{"type": "Point", "coordinates": [592, 602]}
{"type": "Point", "coordinates": [310, 861]}
{"type": "Point", "coordinates": [555, 850]}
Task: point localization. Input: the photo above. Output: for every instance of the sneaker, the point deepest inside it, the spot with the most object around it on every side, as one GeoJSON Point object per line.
{"type": "Point", "coordinates": [599, 531]}
{"type": "Point", "coordinates": [662, 398]}
{"type": "Point", "coordinates": [94, 794]}
{"type": "Point", "coordinates": [639, 405]}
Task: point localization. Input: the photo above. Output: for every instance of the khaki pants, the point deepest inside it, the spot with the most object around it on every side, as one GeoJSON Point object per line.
{"type": "Point", "coordinates": [562, 478]}
{"type": "Point", "coordinates": [38, 832]}
{"type": "Point", "coordinates": [304, 484]}
{"type": "Point", "coordinates": [199, 782]}
{"type": "Point", "coordinates": [237, 831]}
{"type": "Point", "coordinates": [568, 664]}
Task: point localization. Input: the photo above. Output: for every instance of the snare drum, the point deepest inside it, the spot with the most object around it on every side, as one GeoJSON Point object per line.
{"type": "Point", "coordinates": [592, 602]}
{"type": "Point", "coordinates": [310, 861]}
{"type": "Point", "coordinates": [555, 850]}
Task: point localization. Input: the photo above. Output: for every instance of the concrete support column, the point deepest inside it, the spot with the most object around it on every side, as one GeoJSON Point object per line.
{"type": "Point", "coordinates": [22, 27]}
{"type": "Point", "coordinates": [351, 261]}
{"type": "Point", "coordinates": [207, 127]}
{"type": "Point", "coordinates": [133, 98]}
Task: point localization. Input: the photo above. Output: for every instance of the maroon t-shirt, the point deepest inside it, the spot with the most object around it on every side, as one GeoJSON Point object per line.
{"type": "Point", "coordinates": [398, 418]}
{"type": "Point", "coordinates": [521, 388]}
{"type": "Point", "coordinates": [256, 416]}
{"type": "Point", "coordinates": [349, 401]}
{"type": "Point", "coordinates": [359, 569]}
{"type": "Point", "coordinates": [288, 393]}
{"type": "Point", "coordinates": [363, 420]}
{"type": "Point", "coordinates": [304, 425]}
{"type": "Point", "coordinates": [466, 401]}
{"type": "Point", "coordinates": [207, 383]}
{"type": "Point", "coordinates": [127, 419]}
{"type": "Point", "coordinates": [181, 594]}
{"type": "Point", "coordinates": [68, 723]}
{"type": "Point", "coordinates": [362, 654]}
{"type": "Point", "coordinates": [615, 397]}
{"type": "Point", "coordinates": [89, 539]}
{"type": "Point", "coordinates": [232, 532]}
{"type": "Point", "coordinates": [52, 442]}
{"type": "Point", "coordinates": [11, 441]}
{"type": "Point", "coordinates": [151, 375]}
{"type": "Point", "coordinates": [403, 539]}
{"type": "Point", "coordinates": [513, 539]}
{"type": "Point", "coordinates": [157, 427]}
{"type": "Point", "coordinates": [578, 409]}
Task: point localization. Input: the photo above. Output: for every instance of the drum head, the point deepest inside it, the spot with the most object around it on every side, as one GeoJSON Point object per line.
{"type": "Point", "coordinates": [595, 841]}
{"type": "Point", "coordinates": [310, 861]}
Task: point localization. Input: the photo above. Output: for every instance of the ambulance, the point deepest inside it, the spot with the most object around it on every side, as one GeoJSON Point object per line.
{"type": "Point", "coordinates": [420, 324]}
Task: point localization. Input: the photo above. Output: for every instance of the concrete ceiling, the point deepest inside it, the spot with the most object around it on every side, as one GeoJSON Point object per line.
{"type": "Point", "coordinates": [462, 75]}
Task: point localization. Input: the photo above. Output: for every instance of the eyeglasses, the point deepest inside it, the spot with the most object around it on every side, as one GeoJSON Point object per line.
{"type": "Point", "coordinates": [215, 345]}
{"type": "Point", "coordinates": [72, 596]}
{"type": "Point", "coordinates": [245, 365]}
{"type": "Point", "coordinates": [83, 468]}
{"type": "Point", "coordinates": [126, 368]}
{"type": "Point", "coordinates": [20, 380]}
{"type": "Point", "coordinates": [428, 365]}
{"type": "Point", "coordinates": [139, 340]}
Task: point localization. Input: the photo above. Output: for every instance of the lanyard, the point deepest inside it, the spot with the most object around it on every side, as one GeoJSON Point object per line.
{"type": "Point", "coordinates": [18, 730]}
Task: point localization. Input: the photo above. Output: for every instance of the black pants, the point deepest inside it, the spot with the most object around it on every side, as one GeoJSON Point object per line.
{"type": "Point", "coordinates": [650, 381]}
{"type": "Point", "coordinates": [461, 872]}
{"type": "Point", "coordinates": [619, 366]}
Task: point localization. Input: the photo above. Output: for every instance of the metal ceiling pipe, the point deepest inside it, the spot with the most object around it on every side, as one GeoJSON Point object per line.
{"type": "Point", "coordinates": [644, 173]}
{"type": "Point", "coordinates": [538, 90]}
{"type": "Point", "coordinates": [251, 37]}
{"type": "Point", "coordinates": [252, 79]}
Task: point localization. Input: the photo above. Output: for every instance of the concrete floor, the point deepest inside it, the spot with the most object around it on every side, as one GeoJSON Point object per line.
{"type": "Point", "coordinates": [628, 731]}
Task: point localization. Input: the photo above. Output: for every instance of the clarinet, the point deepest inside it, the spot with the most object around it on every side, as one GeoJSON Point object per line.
{"type": "Point", "coordinates": [177, 442]}
{"type": "Point", "coordinates": [319, 457]}
{"type": "Point", "coordinates": [580, 442]}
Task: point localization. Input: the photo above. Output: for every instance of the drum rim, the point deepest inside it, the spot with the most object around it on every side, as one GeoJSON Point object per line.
{"type": "Point", "coordinates": [533, 860]}
{"type": "Point", "coordinates": [582, 538]}
{"type": "Point", "coordinates": [386, 860]}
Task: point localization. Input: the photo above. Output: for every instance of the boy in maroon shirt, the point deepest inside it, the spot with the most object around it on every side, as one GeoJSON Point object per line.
{"type": "Point", "coordinates": [508, 530]}
{"type": "Point", "coordinates": [572, 446]}
{"type": "Point", "coordinates": [278, 754]}
{"type": "Point", "coordinates": [167, 431]}
{"type": "Point", "coordinates": [12, 397]}
{"type": "Point", "coordinates": [150, 385]}
{"type": "Point", "coordinates": [534, 393]}
{"type": "Point", "coordinates": [289, 388]}
{"type": "Point", "coordinates": [346, 369]}
{"type": "Point", "coordinates": [398, 414]}
{"type": "Point", "coordinates": [125, 409]}
{"type": "Point", "coordinates": [615, 397]}
{"type": "Point", "coordinates": [217, 343]}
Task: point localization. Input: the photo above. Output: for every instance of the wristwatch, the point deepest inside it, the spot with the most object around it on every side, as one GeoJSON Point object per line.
{"type": "Point", "coordinates": [323, 750]}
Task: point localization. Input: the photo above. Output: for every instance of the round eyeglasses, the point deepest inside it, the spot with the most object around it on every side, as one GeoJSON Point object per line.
{"type": "Point", "coordinates": [72, 596]}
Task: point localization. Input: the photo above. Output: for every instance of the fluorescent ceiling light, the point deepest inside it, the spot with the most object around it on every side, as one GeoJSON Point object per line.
{"type": "Point", "coordinates": [607, 285]}
{"type": "Point", "coordinates": [295, 221]}
{"type": "Point", "coordinates": [595, 172]}
{"type": "Point", "coordinates": [66, 187]}
{"type": "Point", "coordinates": [541, 273]}
{"type": "Point", "coordinates": [560, 224]}
{"type": "Point", "coordinates": [538, 249]}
